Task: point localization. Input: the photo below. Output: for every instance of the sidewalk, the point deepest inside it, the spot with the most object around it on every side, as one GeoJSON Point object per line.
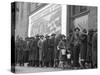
{"type": "Point", "coordinates": [35, 69]}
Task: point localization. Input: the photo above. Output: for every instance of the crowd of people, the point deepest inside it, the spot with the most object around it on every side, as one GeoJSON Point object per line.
{"type": "Point", "coordinates": [77, 50]}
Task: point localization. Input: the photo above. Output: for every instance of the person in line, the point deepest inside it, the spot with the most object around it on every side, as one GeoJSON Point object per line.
{"type": "Point", "coordinates": [57, 51]}
{"type": "Point", "coordinates": [70, 46]}
{"type": "Point", "coordinates": [40, 45]}
{"type": "Point", "coordinates": [52, 47]}
{"type": "Point", "coordinates": [36, 51]}
{"type": "Point", "coordinates": [76, 49]}
{"type": "Point", "coordinates": [83, 48]}
{"type": "Point", "coordinates": [46, 52]}
{"type": "Point", "coordinates": [89, 49]}
{"type": "Point", "coordinates": [94, 50]}
{"type": "Point", "coordinates": [31, 47]}
{"type": "Point", "coordinates": [61, 47]}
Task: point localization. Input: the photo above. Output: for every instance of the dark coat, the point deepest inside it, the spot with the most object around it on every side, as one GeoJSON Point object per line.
{"type": "Point", "coordinates": [36, 54]}
{"type": "Point", "coordinates": [89, 47]}
{"type": "Point", "coordinates": [25, 51]}
{"type": "Point", "coordinates": [46, 51]}
{"type": "Point", "coordinates": [70, 44]}
{"type": "Point", "coordinates": [83, 46]}
{"type": "Point", "coordinates": [32, 50]}
{"type": "Point", "coordinates": [57, 40]}
{"type": "Point", "coordinates": [75, 40]}
{"type": "Point", "coordinates": [94, 49]}
{"type": "Point", "coordinates": [52, 48]}
{"type": "Point", "coordinates": [61, 46]}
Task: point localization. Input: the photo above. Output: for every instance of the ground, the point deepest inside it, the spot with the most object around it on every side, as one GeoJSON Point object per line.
{"type": "Point", "coordinates": [27, 69]}
{"type": "Point", "coordinates": [35, 69]}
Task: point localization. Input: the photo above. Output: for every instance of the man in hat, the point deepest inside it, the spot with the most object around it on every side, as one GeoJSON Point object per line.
{"type": "Point", "coordinates": [52, 49]}
{"type": "Point", "coordinates": [69, 44]}
{"type": "Point", "coordinates": [94, 50]}
{"type": "Point", "coordinates": [57, 52]}
{"type": "Point", "coordinates": [89, 48]}
{"type": "Point", "coordinates": [83, 48]}
{"type": "Point", "coordinates": [36, 50]}
{"type": "Point", "coordinates": [46, 51]}
{"type": "Point", "coordinates": [76, 49]}
{"type": "Point", "coordinates": [31, 46]}
{"type": "Point", "coordinates": [40, 45]}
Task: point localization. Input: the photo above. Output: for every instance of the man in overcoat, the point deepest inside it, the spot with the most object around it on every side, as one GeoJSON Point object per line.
{"type": "Point", "coordinates": [36, 51]}
{"type": "Point", "coordinates": [89, 48]}
{"type": "Point", "coordinates": [46, 52]}
{"type": "Point", "coordinates": [52, 48]}
{"type": "Point", "coordinates": [76, 49]}
{"type": "Point", "coordinates": [57, 52]}
{"type": "Point", "coordinates": [32, 52]}
{"type": "Point", "coordinates": [83, 48]}
{"type": "Point", "coordinates": [40, 45]}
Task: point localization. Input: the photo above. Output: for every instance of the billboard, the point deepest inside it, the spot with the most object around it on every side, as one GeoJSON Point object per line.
{"type": "Point", "coordinates": [45, 21]}
{"type": "Point", "coordinates": [81, 22]}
